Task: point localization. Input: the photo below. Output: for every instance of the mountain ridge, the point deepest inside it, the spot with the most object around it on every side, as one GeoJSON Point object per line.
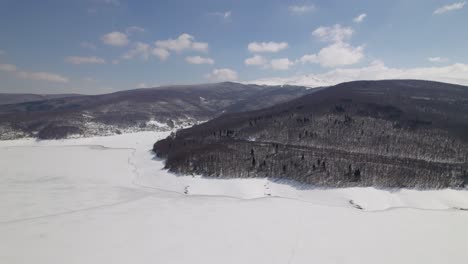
{"type": "Point", "coordinates": [16, 98]}
{"type": "Point", "coordinates": [136, 110]}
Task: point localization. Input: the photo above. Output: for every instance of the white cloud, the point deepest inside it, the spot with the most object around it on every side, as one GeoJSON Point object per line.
{"type": "Point", "coordinates": [281, 64]}
{"type": "Point", "coordinates": [340, 54]}
{"type": "Point", "coordinates": [134, 29]}
{"type": "Point", "coordinates": [115, 38]}
{"type": "Point", "coordinates": [275, 64]}
{"type": "Point", "coordinates": [360, 18]}
{"type": "Point", "coordinates": [7, 67]}
{"type": "Point", "coordinates": [219, 75]}
{"type": "Point", "coordinates": [336, 33]}
{"type": "Point", "coordinates": [37, 76]}
{"type": "Point", "coordinates": [301, 9]}
{"type": "Point", "coordinates": [448, 8]}
{"type": "Point", "coordinates": [225, 15]}
{"type": "Point", "coordinates": [271, 46]}
{"type": "Point", "coordinates": [115, 61]}
{"type": "Point", "coordinates": [199, 60]}
{"type": "Point", "coordinates": [256, 60]}
{"type": "Point", "coordinates": [144, 51]}
{"type": "Point", "coordinates": [335, 55]}
{"type": "Point", "coordinates": [88, 45]}
{"type": "Point", "coordinates": [182, 43]}
{"type": "Point", "coordinates": [437, 59]}
{"type": "Point", "coordinates": [456, 73]}
{"type": "Point", "coordinates": [140, 49]}
{"type": "Point", "coordinates": [162, 54]}
{"type": "Point", "coordinates": [308, 58]}
{"type": "Point", "coordinates": [43, 76]}
{"type": "Point", "coordinates": [200, 46]}
{"type": "Point", "coordinates": [84, 60]}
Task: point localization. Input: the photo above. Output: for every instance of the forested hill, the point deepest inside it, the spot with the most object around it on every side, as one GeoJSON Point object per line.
{"type": "Point", "coordinates": [393, 133]}
{"type": "Point", "coordinates": [11, 98]}
{"type": "Point", "coordinates": [135, 110]}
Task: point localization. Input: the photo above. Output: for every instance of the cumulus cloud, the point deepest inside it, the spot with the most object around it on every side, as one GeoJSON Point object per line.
{"type": "Point", "coordinates": [43, 76]}
{"type": "Point", "coordinates": [182, 43]}
{"type": "Point", "coordinates": [308, 58]}
{"type": "Point", "coordinates": [162, 54]}
{"type": "Point", "coordinates": [199, 60]}
{"type": "Point", "coordinates": [144, 51]}
{"type": "Point", "coordinates": [134, 29]}
{"type": "Point", "coordinates": [141, 50]}
{"type": "Point", "coordinates": [437, 59]}
{"type": "Point", "coordinates": [448, 8]}
{"type": "Point", "coordinates": [84, 60]}
{"type": "Point", "coordinates": [456, 73]}
{"type": "Point", "coordinates": [271, 46]}
{"type": "Point", "coordinates": [162, 49]}
{"type": "Point", "coordinates": [115, 38]}
{"type": "Point", "coordinates": [219, 75]}
{"type": "Point", "coordinates": [360, 18]}
{"type": "Point", "coordinates": [281, 64]}
{"type": "Point", "coordinates": [336, 33]}
{"type": "Point", "coordinates": [275, 64]}
{"type": "Point", "coordinates": [7, 67]}
{"type": "Point", "coordinates": [301, 9]}
{"type": "Point", "coordinates": [340, 54]}
{"type": "Point", "coordinates": [256, 60]}
{"type": "Point", "coordinates": [335, 55]}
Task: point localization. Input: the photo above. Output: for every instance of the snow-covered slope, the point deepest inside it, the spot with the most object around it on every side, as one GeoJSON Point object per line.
{"type": "Point", "coordinates": [106, 200]}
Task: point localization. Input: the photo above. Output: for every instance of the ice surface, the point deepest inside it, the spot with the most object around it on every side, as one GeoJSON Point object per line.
{"type": "Point", "coordinates": [106, 200]}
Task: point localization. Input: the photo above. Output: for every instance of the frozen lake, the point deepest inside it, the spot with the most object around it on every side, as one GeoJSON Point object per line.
{"type": "Point", "coordinates": [106, 200]}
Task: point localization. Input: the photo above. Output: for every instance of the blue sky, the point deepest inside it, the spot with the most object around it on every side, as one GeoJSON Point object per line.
{"type": "Point", "coordinates": [98, 46]}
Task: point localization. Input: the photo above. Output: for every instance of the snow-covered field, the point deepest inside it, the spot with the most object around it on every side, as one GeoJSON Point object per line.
{"type": "Point", "coordinates": [106, 200]}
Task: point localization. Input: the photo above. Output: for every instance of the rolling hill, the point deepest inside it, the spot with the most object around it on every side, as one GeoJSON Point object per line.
{"type": "Point", "coordinates": [136, 110]}
{"type": "Point", "coordinates": [393, 133]}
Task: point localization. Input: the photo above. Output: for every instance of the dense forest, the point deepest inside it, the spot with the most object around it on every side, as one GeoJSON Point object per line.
{"type": "Point", "coordinates": [396, 133]}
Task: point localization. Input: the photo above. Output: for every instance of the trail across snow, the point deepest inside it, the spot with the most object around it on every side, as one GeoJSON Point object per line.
{"type": "Point", "coordinates": [107, 200]}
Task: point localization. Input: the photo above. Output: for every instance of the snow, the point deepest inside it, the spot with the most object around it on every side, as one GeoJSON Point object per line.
{"type": "Point", "coordinates": [157, 124]}
{"type": "Point", "coordinates": [107, 200]}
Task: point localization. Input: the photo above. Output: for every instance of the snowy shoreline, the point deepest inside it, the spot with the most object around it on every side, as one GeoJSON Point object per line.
{"type": "Point", "coordinates": [149, 173]}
